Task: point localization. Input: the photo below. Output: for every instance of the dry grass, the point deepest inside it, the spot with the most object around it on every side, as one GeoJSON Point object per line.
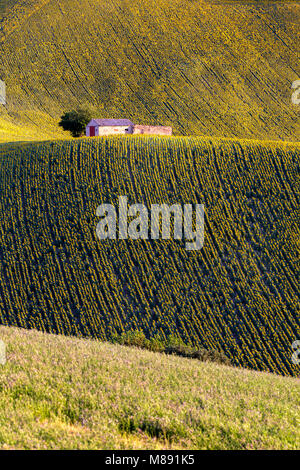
{"type": "Point", "coordinates": [67, 393]}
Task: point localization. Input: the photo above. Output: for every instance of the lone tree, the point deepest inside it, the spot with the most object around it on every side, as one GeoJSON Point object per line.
{"type": "Point", "coordinates": [75, 121]}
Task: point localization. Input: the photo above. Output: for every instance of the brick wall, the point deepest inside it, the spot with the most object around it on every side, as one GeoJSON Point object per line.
{"type": "Point", "coordinates": [154, 130]}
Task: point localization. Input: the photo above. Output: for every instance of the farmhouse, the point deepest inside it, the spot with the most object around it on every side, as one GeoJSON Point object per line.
{"type": "Point", "coordinates": [98, 127]}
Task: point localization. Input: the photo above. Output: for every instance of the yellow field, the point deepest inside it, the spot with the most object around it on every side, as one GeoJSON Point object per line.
{"type": "Point", "coordinates": [223, 70]}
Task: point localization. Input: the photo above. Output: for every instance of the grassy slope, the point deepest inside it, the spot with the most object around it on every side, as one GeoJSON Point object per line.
{"type": "Point", "coordinates": [222, 70]}
{"type": "Point", "coordinates": [67, 393]}
{"type": "Point", "coordinates": [240, 293]}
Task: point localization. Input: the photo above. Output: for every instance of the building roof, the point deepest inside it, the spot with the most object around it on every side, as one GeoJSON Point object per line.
{"type": "Point", "coordinates": [112, 122]}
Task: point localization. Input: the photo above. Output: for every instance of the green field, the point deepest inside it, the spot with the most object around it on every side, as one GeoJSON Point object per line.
{"type": "Point", "coordinates": [68, 393]}
{"type": "Point", "coordinates": [205, 69]}
{"type": "Point", "coordinates": [239, 294]}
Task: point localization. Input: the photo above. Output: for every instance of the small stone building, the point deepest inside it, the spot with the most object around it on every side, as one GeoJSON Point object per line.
{"type": "Point", "coordinates": [98, 127]}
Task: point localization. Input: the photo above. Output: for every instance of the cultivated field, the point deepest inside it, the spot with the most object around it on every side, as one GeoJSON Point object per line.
{"type": "Point", "coordinates": [239, 294]}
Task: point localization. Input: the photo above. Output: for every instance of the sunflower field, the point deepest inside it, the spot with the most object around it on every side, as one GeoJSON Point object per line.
{"type": "Point", "coordinates": [238, 295]}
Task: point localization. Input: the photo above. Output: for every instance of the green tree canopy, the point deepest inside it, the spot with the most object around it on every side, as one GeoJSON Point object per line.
{"type": "Point", "coordinates": [75, 121]}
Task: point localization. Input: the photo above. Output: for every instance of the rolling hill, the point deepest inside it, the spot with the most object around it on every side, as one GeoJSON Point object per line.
{"type": "Point", "coordinates": [239, 294]}
{"type": "Point", "coordinates": [70, 393]}
{"type": "Point", "coordinates": [209, 69]}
